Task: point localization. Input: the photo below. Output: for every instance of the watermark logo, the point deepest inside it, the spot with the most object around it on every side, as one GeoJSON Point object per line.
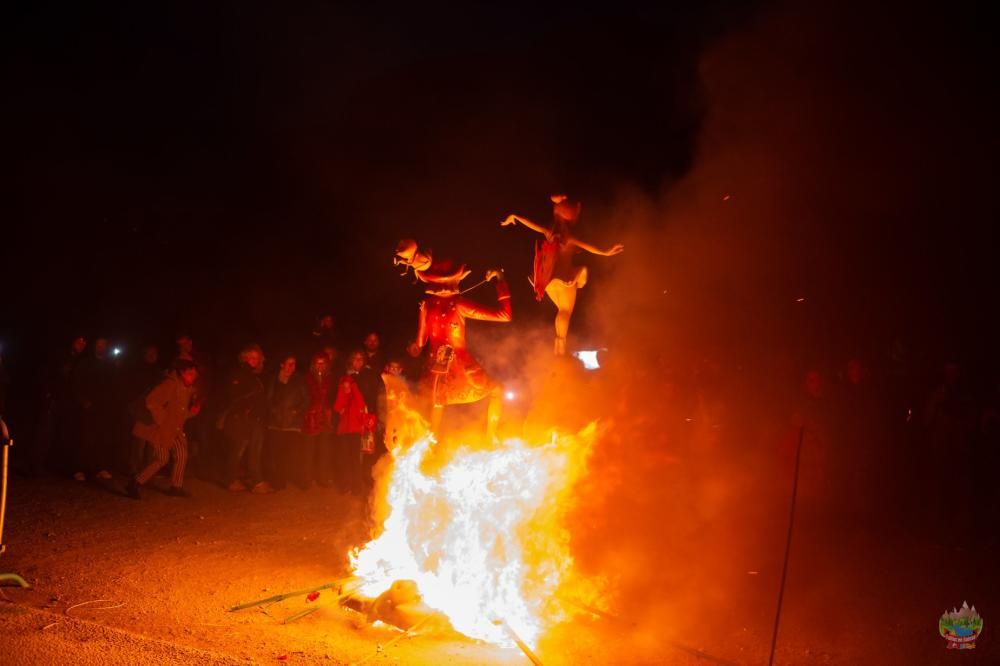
{"type": "Point", "coordinates": [961, 627]}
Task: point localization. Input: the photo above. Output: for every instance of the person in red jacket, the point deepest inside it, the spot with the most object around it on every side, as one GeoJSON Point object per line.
{"type": "Point", "coordinates": [355, 427]}
{"type": "Point", "coordinates": [318, 457]}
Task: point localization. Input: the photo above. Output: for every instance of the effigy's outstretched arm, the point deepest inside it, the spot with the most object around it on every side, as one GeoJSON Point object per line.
{"type": "Point", "coordinates": [514, 219]}
{"type": "Point", "coordinates": [502, 312]}
{"type": "Point", "coordinates": [617, 248]}
{"type": "Point", "coordinates": [418, 344]}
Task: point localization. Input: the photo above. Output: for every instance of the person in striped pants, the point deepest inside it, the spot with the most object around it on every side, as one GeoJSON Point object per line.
{"type": "Point", "coordinates": [170, 406]}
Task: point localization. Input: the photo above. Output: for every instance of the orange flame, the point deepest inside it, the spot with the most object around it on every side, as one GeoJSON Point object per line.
{"type": "Point", "coordinates": [484, 537]}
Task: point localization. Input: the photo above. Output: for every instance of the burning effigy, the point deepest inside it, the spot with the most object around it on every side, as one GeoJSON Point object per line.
{"type": "Point", "coordinates": [451, 375]}
{"type": "Point", "coordinates": [555, 274]}
{"type": "Point", "coordinates": [472, 535]}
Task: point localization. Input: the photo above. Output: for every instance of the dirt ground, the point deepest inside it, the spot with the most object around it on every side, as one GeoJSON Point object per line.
{"type": "Point", "coordinates": [167, 570]}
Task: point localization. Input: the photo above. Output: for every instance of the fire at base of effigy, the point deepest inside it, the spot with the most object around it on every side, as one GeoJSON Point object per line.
{"type": "Point", "coordinates": [476, 542]}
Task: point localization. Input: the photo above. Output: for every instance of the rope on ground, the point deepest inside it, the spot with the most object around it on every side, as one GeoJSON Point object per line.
{"type": "Point", "coordinates": [95, 601]}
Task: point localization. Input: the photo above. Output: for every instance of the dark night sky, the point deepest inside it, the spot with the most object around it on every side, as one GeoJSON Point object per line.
{"type": "Point", "coordinates": [239, 166]}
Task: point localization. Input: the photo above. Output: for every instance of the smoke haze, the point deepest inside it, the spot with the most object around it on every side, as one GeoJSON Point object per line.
{"type": "Point", "coordinates": [835, 142]}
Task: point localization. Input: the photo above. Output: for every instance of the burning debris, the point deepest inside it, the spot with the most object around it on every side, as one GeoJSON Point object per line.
{"type": "Point", "coordinates": [400, 606]}
{"type": "Point", "coordinates": [481, 540]}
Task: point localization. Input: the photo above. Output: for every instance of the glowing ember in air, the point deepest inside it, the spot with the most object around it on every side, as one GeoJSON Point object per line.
{"type": "Point", "coordinates": [483, 537]}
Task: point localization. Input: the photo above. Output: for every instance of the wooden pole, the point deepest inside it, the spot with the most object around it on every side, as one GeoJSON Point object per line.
{"type": "Point", "coordinates": [5, 444]}
{"type": "Point", "coordinates": [6, 441]}
{"type": "Point", "coordinates": [517, 641]}
{"type": "Point", "coordinates": [788, 545]}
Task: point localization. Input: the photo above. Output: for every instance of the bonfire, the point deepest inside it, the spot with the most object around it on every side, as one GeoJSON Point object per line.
{"type": "Point", "coordinates": [479, 538]}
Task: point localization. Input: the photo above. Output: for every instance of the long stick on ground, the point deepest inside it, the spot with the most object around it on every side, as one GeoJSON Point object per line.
{"type": "Point", "coordinates": [312, 609]}
{"type": "Point", "coordinates": [348, 593]}
{"type": "Point", "coordinates": [788, 545]}
{"type": "Point", "coordinates": [289, 595]}
{"type": "Point", "coordinates": [301, 614]}
{"type": "Point", "coordinates": [395, 640]}
{"type": "Point", "coordinates": [517, 641]}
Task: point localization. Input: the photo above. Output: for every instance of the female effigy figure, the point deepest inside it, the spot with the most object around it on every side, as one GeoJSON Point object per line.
{"type": "Point", "coordinates": [554, 272]}
{"type": "Point", "coordinates": [451, 375]}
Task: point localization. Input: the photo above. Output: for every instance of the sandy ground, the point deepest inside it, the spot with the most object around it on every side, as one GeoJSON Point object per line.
{"type": "Point", "coordinates": [170, 568]}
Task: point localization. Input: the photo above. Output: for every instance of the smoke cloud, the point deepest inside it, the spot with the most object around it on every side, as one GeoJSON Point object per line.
{"type": "Point", "coordinates": [805, 233]}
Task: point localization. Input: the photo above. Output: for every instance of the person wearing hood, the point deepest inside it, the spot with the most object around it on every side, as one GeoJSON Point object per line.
{"type": "Point", "coordinates": [170, 406]}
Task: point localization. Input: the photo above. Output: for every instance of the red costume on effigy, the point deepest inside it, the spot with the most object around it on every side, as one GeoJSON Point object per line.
{"type": "Point", "coordinates": [452, 376]}
{"type": "Point", "coordinates": [554, 253]}
{"type": "Point", "coordinates": [555, 274]}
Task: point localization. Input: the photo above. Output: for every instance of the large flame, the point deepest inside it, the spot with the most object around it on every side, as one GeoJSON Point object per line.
{"type": "Point", "coordinates": [483, 536]}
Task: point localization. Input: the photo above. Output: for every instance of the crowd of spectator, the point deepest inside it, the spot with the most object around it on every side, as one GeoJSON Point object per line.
{"type": "Point", "coordinates": [315, 420]}
{"type": "Point", "coordinates": [875, 436]}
